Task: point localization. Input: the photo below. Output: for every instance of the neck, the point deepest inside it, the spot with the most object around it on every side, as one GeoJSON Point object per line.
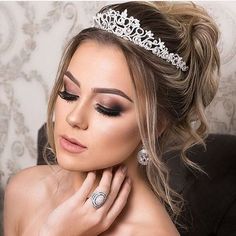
{"type": "Point", "coordinates": [74, 179]}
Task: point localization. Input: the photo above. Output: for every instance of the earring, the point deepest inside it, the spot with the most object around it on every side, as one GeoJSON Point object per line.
{"type": "Point", "coordinates": [142, 157]}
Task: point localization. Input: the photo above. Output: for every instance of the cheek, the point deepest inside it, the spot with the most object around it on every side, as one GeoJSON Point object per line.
{"type": "Point", "coordinates": [116, 138]}
{"type": "Point", "coordinates": [110, 141]}
{"type": "Point", "coordinates": [58, 116]}
{"type": "Point", "coordinates": [61, 109]}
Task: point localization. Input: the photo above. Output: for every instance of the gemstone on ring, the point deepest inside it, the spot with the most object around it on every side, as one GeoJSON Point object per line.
{"type": "Point", "coordinates": [98, 199]}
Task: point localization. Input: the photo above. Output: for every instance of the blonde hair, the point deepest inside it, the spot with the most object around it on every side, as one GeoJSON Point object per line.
{"type": "Point", "coordinates": [167, 99]}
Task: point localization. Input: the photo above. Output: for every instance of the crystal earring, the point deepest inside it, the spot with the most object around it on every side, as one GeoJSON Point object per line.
{"type": "Point", "coordinates": [142, 157]}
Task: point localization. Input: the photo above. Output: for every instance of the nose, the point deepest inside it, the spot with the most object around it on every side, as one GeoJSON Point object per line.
{"type": "Point", "coordinates": [77, 118]}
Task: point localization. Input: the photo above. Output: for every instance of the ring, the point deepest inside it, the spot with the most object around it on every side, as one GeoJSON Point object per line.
{"type": "Point", "coordinates": [98, 199]}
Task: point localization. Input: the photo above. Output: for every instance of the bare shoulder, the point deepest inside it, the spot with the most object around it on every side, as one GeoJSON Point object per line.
{"type": "Point", "coordinates": [31, 182]}
{"type": "Point", "coordinates": [154, 218]}
{"type": "Point", "coordinates": [149, 219]}
{"type": "Point", "coordinates": [160, 223]}
{"type": "Point", "coordinates": [154, 230]}
{"type": "Point", "coordinates": [29, 179]}
{"type": "Point", "coordinates": [26, 190]}
{"type": "Point", "coordinates": [143, 228]}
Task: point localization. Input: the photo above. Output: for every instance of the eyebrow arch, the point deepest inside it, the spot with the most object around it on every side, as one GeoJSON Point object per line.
{"type": "Point", "coordinates": [99, 90]}
{"type": "Point", "coordinates": [70, 76]}
{"type": "Point", "coordinates": [112, 91]}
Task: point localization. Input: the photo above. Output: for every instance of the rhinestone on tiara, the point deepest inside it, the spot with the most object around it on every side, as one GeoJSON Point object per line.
{"type": "Point", "coordinates": [129, 29]}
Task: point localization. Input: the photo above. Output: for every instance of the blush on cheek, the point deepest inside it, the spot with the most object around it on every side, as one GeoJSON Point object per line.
{"type": "Point", "coordinates": [118, 143]}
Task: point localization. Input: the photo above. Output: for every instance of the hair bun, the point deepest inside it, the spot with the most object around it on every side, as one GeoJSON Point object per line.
{"type": "Point", "coordinates": [199, 36]}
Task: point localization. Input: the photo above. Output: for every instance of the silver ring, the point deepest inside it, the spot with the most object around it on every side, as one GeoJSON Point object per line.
{"type": "Point", "coordinates": [98, 199]}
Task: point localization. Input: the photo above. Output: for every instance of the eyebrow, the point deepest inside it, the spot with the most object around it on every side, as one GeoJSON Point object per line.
{"type": "Point", "coordinates": [99, 90]}
{"type": "Point", "coordinates": [70, 76]}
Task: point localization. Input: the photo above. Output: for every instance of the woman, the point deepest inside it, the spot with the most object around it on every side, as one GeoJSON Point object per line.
{"type": "Point", "coordinates": [127, 92]}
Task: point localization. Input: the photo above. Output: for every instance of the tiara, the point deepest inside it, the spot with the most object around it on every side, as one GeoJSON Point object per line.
{"type": "Point", "coordinates": [129, 28]}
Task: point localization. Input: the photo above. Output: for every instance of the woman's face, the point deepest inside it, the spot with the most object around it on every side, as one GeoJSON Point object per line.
{"type": "Point", "coordinates": [95, 108]}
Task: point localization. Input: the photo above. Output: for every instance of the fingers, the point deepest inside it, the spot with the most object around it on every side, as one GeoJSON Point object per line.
{"type": "Point", "coordinates": [115, 186]}
{"type": "Point", "coordinates": [89, 181]}
{"type": "Point", "coordinates": [112, 187]}
{"type": "Point", "coordinates": [105, 182]}
{"type": "Point", "coordinates": [99, 195]}
{"type": "Point", "coordinates": [119, 203]}
{"type": "Point", "coordinates": [86, 187]}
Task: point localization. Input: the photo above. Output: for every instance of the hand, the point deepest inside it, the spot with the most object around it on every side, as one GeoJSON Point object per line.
{"type": "Point", "coordinates": [77, 216]}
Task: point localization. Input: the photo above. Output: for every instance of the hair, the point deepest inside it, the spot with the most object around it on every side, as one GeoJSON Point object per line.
{"type": "Point", "coordinates": [167, 99]}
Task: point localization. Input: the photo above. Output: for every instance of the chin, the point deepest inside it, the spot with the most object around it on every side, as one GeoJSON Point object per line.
{"type": "Point", "coordinates": [72, 163]}
{"type": "Point", "coordinates": [68, 163]}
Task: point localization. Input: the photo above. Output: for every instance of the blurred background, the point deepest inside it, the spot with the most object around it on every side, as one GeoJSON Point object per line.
{"type": "Point", "coordinates": [32, 37]}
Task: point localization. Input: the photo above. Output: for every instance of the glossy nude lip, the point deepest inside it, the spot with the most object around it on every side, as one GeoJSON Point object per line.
{"type": "Point", "coordinates": [71, 145]}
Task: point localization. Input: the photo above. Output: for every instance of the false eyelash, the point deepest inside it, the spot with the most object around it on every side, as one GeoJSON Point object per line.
{"type": "Point", "coordinates": [107, 112]}
{"type": "Point", "coordinates": [101, 109]}
{"type": "Point", "coordinates": [67, 96]}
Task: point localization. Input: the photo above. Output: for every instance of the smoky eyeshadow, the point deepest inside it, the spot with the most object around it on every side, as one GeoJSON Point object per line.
{"type": "Point", "coordinates": [116, 107]}
{"type": "Point", "coordinates": [113, 105]}
{"type": "Point", "coordinates": [68, 85]}
{"type": "Point", "coordinates": [105, 102]}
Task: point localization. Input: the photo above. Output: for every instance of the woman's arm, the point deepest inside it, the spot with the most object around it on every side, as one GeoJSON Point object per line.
{"type": "Point", "coordinates": [12, 207]}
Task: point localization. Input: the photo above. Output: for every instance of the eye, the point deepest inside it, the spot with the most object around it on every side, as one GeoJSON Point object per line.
{"type": "Point", "coordinates": [68, 96]}
{"type": "Point", "coordinates": [108, 111]}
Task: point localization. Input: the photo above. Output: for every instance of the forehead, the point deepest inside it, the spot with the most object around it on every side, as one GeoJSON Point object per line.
{"type": "Point", "coordinates": [98, 65]}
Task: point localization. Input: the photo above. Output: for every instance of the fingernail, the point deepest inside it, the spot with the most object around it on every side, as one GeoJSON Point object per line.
{"type": "Point", "coordinates": [124, 168]}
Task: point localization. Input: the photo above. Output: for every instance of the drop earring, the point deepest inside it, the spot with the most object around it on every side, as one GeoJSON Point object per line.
{"type": "Point", "coordinates": [142, 157]}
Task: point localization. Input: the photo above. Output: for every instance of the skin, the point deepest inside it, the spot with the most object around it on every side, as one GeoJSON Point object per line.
{"type": "Point", "coordinates": [80, 120]}
{"type": "Point", "coordinates": [60, 194]}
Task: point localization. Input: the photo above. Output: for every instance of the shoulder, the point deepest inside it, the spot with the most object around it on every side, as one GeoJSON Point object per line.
{"type": "Point", "coordinates": [154, 218]}
{"type": "Point", "coordinates": [29, 182]}
{"type": "Point", "coordinates": [155, 227]}
{"type": "Point", "coordinates": [28, 179]}
{"type": "Point", "coordinates": [154, 230]}
{"type": "Point", "coordinates": [24, 191]}
{"type": "Point", "coordinates": [150, 229]}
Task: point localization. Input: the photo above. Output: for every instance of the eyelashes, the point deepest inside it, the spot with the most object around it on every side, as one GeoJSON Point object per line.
{"type": "Point", "coordinates": [107, 111]}
{"type": "Point", "coordinates": [67, 96]}
{"type": "Point", "coordinates": [99, 108]}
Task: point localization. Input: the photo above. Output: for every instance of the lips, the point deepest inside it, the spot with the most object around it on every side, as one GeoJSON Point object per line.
{"type": "Point", "coordinates": [71, 145]}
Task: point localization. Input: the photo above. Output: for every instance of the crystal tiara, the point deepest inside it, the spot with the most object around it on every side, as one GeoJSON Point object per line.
{"type": "Point", "coordinates": [129, 28]}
